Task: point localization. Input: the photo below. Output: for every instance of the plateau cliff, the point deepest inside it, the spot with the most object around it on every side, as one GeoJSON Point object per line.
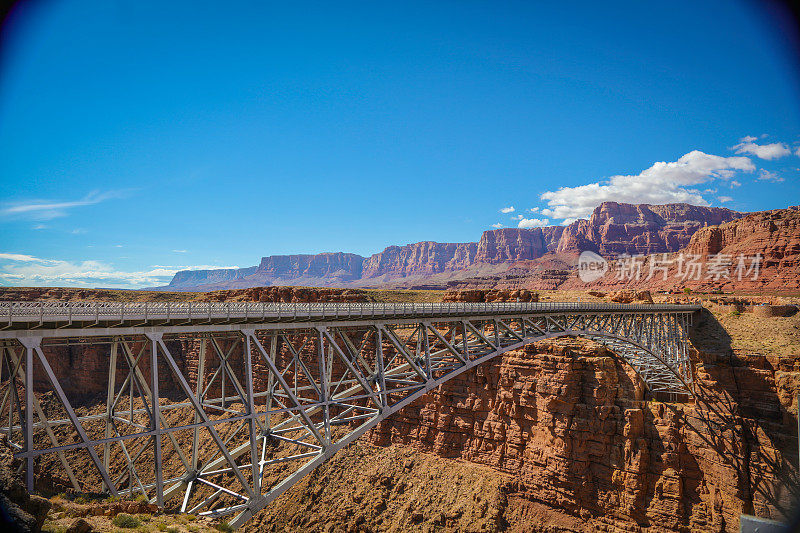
{"type": "Point", "coordinates": [612, 229]}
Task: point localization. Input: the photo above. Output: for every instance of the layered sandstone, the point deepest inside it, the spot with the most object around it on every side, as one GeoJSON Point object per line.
{"type": "Point", "coordinates": [612, 229]}
{"type": "Point", "coordinates": [567, 422]}
{"type": "Point", "coordinates": [616, 228]}
{"type": "Point", "coordinates": [724, 258]}
{"type": "Point", "coordinates": [490, 295]}
{"type": "Point", "coordinates": [420, 258]}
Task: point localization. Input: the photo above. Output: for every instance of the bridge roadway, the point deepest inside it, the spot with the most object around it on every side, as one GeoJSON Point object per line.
{"type": "Point", "coordinates": [227, 405]}
{"type": "Point", "coordinates": [21, 319]}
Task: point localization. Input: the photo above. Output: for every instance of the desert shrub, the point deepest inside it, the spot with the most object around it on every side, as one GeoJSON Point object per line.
{"type": "Point", "coordinates": [124, 520]}
{"type": "Point", "coordinates": [225, 527]}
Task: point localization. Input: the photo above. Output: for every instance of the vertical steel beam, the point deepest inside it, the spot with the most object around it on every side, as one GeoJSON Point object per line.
{"type": "Point", "coordinates": [251, 411]}
{"type": "Point", "coordinates": [379, 368]}
{"type": "Point", "coordinates": [154, 339]}
{"type": "Point", "coordinates": [427, 347]}
{"type": "Point", "coordinates": [201, 370]}
{"type": "Point", "coordinates": [112, 382]}
{"type": "Point", "coordinates": [30, 344]}
{"type": "Point", "coordinates": [323, 385]}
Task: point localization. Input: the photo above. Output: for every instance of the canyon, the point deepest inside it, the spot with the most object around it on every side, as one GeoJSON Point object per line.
{"type": "Point", "coordinates": [612, 229]}
{"type": "Point", "coordinates": [558, 436]}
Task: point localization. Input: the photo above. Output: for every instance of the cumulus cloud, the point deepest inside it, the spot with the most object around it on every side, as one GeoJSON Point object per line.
{"type": "Point", "coordinates": [497, 226]}
{"type": "Point", "coordinates": [766, 175]}
{"type": "Point", "coordinates": [47, 209]}
{"type": "Point", "coordinates": [509, 209]}
{"type": "Point", "coordinates": [724, 199]}
{"type": "Point", "coordinates": [662, 183]}
{"type": "Point", "coordinates": [28, 270]}
{"type": "Point", "coordinates": [735, 184]}
{"type": "Point", "coordinates": [533, 223]}
{"type": "Point", "coordinates": [534, 209]}
{"type": "Point", "coordinates": [764, 151]}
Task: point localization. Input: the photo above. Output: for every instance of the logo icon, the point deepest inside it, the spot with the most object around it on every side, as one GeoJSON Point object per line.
{"type": "Point", "coordinates": [591, 267]}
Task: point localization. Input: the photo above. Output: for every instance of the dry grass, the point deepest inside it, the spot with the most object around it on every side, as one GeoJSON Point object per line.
{"type": "Point", "coordinates": [771, 336]}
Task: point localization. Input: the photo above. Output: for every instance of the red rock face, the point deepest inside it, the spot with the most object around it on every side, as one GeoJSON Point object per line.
{"type": "Point", "coordinates": [420, 258]}
{"type": "Point", "coordinates": [566, 420]}
{"type": "Point", "coordinates": [612, 229]}
{"type": "Point", "coordinates": [775, 235]}
{"type": "Point", "coordinates": [510, 244]}
{"type": "Point", "coordinates": [645, 229]}
{"type": "Point", "coordinates": [341, 265]}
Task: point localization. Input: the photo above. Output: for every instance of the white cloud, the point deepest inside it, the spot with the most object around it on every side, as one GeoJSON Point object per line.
{"type": "Point", "coordinates": [724, 199]}
{"type": "Point", "coordinates": [797, 152]}
{"type": "Point", "coordinates": [509, 209]}
{"type": "Point", "coordinates": [734, 184]}
{"type": "Point", "coordinates": [46, 209]}
{"type": "Point", "coordinates": [28, 270]}
{"type": "Point", "coordinates": [20, 257]}
{"type": "Point", "coordinates": [662, 183]}
{"type": "Point", "coordinates": [766, 175]}
{"type": "Point", "coordinates": [764, 151]}
{"type": "Point", "coordinates": [497, 226]}
{"type": "Point", "coordinates": [749, 139]}
{"type": "Point", "coordinates": [180, 251]}
{"type": "Point", "coordinates": [78, 231]}
{"type": "Point", "coordinates": [534, 209]}
{"type": "Point", "coordinates": [40, 226]}
{"type": "Point", "coordinates": [517, 217]}
{"type": "Point", "coordinates": [533, 223]}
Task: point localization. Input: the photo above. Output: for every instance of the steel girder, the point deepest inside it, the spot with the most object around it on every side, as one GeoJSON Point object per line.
{"type": "Point", "coordinates": [222, 421]}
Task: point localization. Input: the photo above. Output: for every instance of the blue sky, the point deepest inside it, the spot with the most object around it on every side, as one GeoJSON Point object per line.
{"type": "Point", "coordinates": [137, 138]}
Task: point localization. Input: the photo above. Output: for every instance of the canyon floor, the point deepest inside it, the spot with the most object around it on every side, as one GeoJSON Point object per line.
{"type": "Point", "coordinates": [555, 437]}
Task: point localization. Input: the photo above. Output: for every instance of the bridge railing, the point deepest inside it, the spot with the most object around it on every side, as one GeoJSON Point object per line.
{"type": "Point", "coordinates": [146, 311]}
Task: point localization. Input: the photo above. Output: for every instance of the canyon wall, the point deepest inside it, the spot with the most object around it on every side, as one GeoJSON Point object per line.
{"type": "Point", "coordinates": [612, 229]}
{"type": "Point", "coordinates": [572, 430]}
{"type": "Point", "coordinates": [566, 421]}
{"type": "Point", "coordinates": [774, 236]}
{"type": "Point", "coordinates": [420, 258]}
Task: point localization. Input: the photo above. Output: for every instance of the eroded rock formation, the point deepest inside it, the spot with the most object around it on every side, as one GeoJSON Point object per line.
{"type": "Point", "coordinates": [613, 228]}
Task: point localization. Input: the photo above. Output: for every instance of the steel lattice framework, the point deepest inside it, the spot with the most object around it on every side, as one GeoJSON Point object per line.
{"type": "Point", "coordinates": [223, 406]}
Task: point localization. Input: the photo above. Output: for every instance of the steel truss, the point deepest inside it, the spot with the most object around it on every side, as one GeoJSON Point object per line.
{"type": "Point", "coordinates": [223, 415]}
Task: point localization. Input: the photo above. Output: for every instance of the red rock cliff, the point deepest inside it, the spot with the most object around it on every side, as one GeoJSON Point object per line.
{"type": "Point", "coordinates": [612, 229]}
{"type": "Point", "coordinates": [420, 258]}
{"type": "Point", "coordinates": [566, 420]}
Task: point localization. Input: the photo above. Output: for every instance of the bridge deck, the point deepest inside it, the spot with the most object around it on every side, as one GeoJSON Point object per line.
{"type": "Point", "coordinates": [18, 317]}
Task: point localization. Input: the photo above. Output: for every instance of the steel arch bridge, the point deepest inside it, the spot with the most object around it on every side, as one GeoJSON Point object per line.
{"type": "Point", "coordinates": [218, 408]}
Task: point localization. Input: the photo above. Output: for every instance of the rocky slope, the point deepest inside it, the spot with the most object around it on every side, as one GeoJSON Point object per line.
{"type": "Point", "coordinates": [612, 229]}
{"type": "Point", "coordinates": [774, 235]}
{"type": "Point", "coordinates": [575, 447]}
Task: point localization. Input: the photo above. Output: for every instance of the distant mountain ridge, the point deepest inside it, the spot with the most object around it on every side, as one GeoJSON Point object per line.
{"type": "Point", "coordinates": [613, 228]}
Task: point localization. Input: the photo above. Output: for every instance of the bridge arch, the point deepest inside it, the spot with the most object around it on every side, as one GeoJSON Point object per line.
{"type": "Point", "coordinates": [279, 387]}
